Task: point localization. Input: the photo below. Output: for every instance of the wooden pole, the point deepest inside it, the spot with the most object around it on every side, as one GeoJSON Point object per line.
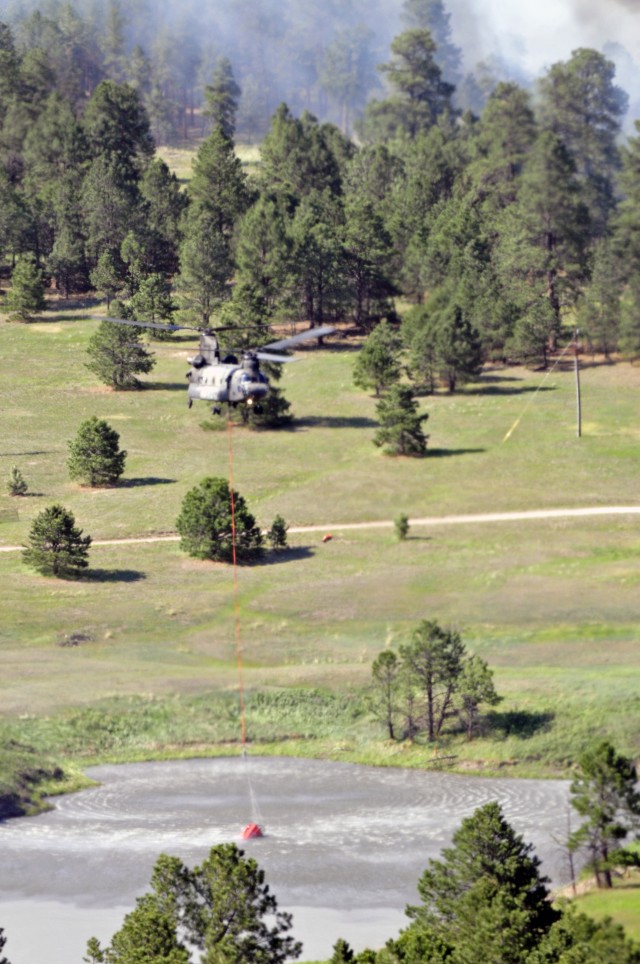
{"type": "Point", "coordinates": [577, 370]}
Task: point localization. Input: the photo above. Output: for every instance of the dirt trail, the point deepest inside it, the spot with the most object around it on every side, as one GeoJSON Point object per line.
{"type": "Point", "coordinates": [529, 514]}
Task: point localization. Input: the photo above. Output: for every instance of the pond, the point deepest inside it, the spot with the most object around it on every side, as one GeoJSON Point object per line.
{"type": "Point", "coordinates": [343, 851]}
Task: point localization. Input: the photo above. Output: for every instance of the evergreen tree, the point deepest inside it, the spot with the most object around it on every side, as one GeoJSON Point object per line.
{"type": "Point", "coordinates": [541, 251]}
{"type": "Point", "coordinates": [600, 312]}
{"type": "Point", "coordinates": [106, 277]}
{"type": "Point", "coordinates": [264, 256]}
{"type": "Point", "coordinates": [442, 340]}
{"type": "Point", "coordinates": [581, 105]}
{"type": "Point", "coordinates": [206, 267]}
{"type": "Point", "coordinates": [225, 908]}
{"type": "Point", "coordinates": [297, 156]}
{"type": "Point", "coordinates": [576, 937]}
{"type": "Point", "coordinates": [378, 363]}
{"type": "Point", "coordinates": [152, 301]}
{"type": "Point", "coordinates": [485, 899]}
{"type": "Point", "coordinates": [434, 660]}
{"type": "Point", "coordinates": [117, 356]}
{"type": "Point", "coordinates": [342, 953]}
{"type": "Point", "coordinates": [274, 411]}
{"type": "Point", "coordinates": [316, 277]}
{"type": "Point", "coordinates": [113, 41]}
{"type": "Point", "coordinates": [346, 72]}
{"type": "Point", "coordinates": [400, 431]}
{"type": "Point", "coordinates": [95, 457]}
{"type": "Point", "coordinates": [604, 792]}
{"type": "Point", "coordinates": [626, 221]}
{"type": "Point", "coordinates": [147, 936]}
{"type": "Point", "coordinates": [366, 252]}
{"type": "Point", "coordinates": [401, 525]}
{"type": "Point", "coordinates": [16, 484]}
{"type": "Point", "coordinates": [163, 205]}
{"type": "Point", "coordinates": [221, 98]}
{"type": "Point", "coordinates": [111, 207]}
{"type": "Point", "coordinates": [205, 524]}
{"type": "Point", "coordinates": [432, 15]}
{"type": "Point", "coordinates": [25, 297]}
{"type": "Point", "coordinates": [629, 338]}
{"type": "Point", "coordinates": [383, 693]}
{"type": "Point", "coordinates": [277, 534]}
{"type": "Point", "coordinates": [474, 686]}
{"type": "Point", "coordinates": [419, 94]}
{"type": "Point", "coordinates": [458, 348]}
{"type": "Point", "coordinates": [504, 137]}
{"type": "Point", "coordinates": [218, 187]}
{"type": "Point", "coordinates": [117, 129]}
{"type": "Point", "coordinates": [56, 546]}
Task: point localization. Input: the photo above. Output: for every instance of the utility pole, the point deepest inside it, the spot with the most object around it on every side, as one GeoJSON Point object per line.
{"type": "Point", "coordinates": [576, 350]}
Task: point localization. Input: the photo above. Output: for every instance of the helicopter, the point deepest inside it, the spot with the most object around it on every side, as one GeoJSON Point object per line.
{"type": "Point", "coordinates": [217, 378]}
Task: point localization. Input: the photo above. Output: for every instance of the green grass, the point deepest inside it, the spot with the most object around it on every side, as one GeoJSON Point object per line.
{"type": "Point", "coordinates": [180, 159]}
{"type": "Point", "coordinates": [621, 903]}
{"type": "Point", "coordinates": [552, 605]}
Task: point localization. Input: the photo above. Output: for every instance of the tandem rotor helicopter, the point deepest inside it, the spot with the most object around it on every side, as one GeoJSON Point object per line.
{"type": "Point", "coordinates": [219, 379]}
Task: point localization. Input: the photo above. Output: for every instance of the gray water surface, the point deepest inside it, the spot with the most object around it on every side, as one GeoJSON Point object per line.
{"type": "Point", "coordinates": [344, 849]}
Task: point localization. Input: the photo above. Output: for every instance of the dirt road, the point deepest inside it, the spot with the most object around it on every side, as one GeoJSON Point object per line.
{"type": "Point", "coordinates": [429, 521]}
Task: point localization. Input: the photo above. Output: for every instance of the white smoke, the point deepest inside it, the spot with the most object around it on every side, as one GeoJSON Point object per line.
{"type": "Point", "coordinates": [533, 34]}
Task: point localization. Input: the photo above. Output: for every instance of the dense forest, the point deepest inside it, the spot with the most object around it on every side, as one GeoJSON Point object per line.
{"type": "Point", "coordinates": [503, 214]}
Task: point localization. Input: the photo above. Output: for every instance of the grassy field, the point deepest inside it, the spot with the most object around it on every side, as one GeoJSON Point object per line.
{"type": "Point", "coordinates": [622, 903]}
{"type": "Point", "coordinates": [552, 605]}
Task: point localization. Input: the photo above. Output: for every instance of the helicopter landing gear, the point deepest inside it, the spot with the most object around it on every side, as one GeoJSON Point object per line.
{"type": "Point", "coordinates": [190, 403]}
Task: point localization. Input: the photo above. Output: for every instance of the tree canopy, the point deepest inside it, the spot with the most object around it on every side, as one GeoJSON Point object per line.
{"type": "Point", "coordinates": [215, 523]}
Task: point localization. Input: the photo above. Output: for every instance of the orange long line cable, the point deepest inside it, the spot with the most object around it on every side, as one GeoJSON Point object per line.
{"type": "Point", "coordinates": [243, 728]}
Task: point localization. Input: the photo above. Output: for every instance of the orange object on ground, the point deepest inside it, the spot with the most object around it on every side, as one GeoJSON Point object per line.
{"type": "Point", "coordinates": [327, 538]}
{"type": "Point", "coordinates": [252, 830]}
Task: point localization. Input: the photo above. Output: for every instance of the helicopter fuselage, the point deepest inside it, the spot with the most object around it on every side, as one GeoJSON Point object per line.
{"type": "Point", "coordinates": [231, 382]}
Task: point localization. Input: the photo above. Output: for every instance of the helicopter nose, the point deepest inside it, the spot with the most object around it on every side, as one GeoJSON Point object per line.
{"type": "Point", "coordinates": [256, 390]}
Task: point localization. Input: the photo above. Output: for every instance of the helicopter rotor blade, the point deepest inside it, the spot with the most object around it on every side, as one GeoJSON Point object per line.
{"type": "Point", "coordinates": [297, 339]}
{"type": "Point", "coordinates": [162, 327]}
{"type": "Point", "coordinates": [268, 357]}
{"type": "Point", "coordinates": [142, 324]}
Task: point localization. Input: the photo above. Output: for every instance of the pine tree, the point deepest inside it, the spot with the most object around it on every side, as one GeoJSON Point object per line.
{"type": "Point", "coordinates": [147, 936]}
{"type": "Point", "coordinates": [107, 276]}
{"type": "Point", "coordinates": [206, 266]}
{"type": "Point", "coordinates": [56, 546]}
{"type": "Point", "coordinates": [277, 534]}
{"type": "Point", "coordinates": [419, 94]}
{"type": "Point", "coordinates": [383, 694]}
{"type": "Point", "coordinates": [474, 686]}
{"type": "Point", "coordinates": [582, 106]}
{"type": "Point", "coordinates": [604, 792]}
{"type": "Point", "coordinates": [205, 524]}
{"type": "Point", "coordinates": [378, 363]}
{"type": "Point", "coordinates": [95, 457]}
{"type": "Point", "coordinates": [273, 411]}
{"type": "Point", "coordinates": [485, 898]}
{"type": "Point", "coordinates": [400, 431]}
{"type": "Point", "coordinates": [16, 484]}
{"type": "Point", "coordinates": [600, 312]}
{"type": "Point", "coordinates": [401, 526]}
{"type": "Point", "coordinates": [225, 908]}
{"type": "Point", "coordinates": [629, 338]}
{"type": "Point", "coordinates": [433, 660]}
{"type": "Point", "coordinates": [541, 252]}
{"type": "Point", "coordinates": [117, 355]}
{"type": "Point", "coordinates": [25, 297]}
{"type": "Point", "coordinates": [221, 98]}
